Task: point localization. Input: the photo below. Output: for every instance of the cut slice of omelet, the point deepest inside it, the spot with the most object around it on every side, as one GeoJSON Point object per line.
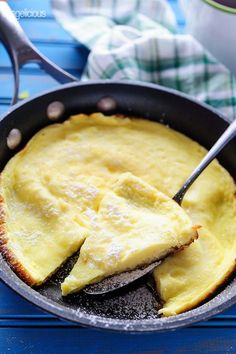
{"type": "Point", "coordinates": [135, 225]}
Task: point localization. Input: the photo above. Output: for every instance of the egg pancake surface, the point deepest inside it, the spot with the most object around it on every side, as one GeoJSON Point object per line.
{"type": "Point", "coordinates": [53, 191]}
{"type": "Point", "coordinates": [135, 225]}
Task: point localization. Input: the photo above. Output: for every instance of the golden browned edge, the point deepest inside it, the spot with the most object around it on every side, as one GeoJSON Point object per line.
{"type": "Point", "coordinates": [8, 255]}
{"type": "Point", "coordinates": [193, 238]}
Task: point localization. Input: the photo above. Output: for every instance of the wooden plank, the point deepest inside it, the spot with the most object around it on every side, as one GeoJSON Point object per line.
{"type": "Point", "coordinates": [12, 303]}
{"type": "Point", "coordinates": [179, 14]}
{"type": "Point", "coordinates": [74, 340]}
{"type": "Point", "coordinates": [229, 312]}
{"type": "Point", "coordinates": [67, 57]}
{"type": "Point", "coordinates": [45, 31]}
{"type": "Point", "coordinates": [42, 319]}
{"type": "Point", "coordinates": [3, 108]}
{"type": "Point", "coordinates": [32, 83]}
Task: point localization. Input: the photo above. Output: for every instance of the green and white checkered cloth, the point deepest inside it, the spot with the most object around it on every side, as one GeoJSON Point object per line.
{"type": "Point", "coordinates": [137, 40]}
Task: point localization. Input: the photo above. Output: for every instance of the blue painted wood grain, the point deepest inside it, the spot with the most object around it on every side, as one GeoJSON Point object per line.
{"type": "Point", "coordinates": [66, 56]}
{"type": "Point", "coordinates": [81, 341]}
{"type": "Point", "coordinates": [179, 15]}
{"type": "Point", "coordinates": [51, 32]}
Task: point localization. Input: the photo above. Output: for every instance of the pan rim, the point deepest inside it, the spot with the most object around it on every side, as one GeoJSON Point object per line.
{"type": "Point", "coordinates": [149, 325]}
{"type": "Point", "coordinates": [115, 82]}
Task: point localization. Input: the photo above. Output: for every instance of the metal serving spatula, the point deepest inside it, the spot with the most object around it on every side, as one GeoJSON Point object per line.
{"type": "Point", "coordinates": [120, 280]}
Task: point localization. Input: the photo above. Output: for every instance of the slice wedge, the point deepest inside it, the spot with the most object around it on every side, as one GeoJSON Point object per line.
{"type": "Point", "coordinates": [136, 224]}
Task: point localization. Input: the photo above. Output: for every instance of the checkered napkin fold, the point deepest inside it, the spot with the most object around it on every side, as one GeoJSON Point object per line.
{"type": "Point", "coordinates": [137, 40]}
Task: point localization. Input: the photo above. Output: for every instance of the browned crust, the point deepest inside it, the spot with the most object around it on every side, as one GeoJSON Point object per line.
{"type": "Point", "coordinates": [193, 238]}
{"type": "Point", "coordinates": [176, 249]}
{"type": "Point", "coordinates": [8, 255]}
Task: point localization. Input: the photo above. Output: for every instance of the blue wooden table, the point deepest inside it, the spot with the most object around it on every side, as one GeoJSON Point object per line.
{"type": "Point", "coordinates": [23, 327]}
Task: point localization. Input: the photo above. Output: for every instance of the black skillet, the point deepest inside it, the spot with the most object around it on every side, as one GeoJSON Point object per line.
{"type": "Point", "coordinates": [133, 309]}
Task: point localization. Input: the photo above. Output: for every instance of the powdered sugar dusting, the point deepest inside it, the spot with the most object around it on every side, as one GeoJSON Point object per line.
{"type": "Point", "coordinates": [92, 215]}
{"type": "Point", "coordinates": [50, 210]}
{"type": "Point", "coordinates": [76, 190]}
{"type": "Point", "coordinates": [31, 237]}
{"type": "Point", "coordinates": [117, 216]}
{"type": "Point", "coordinates": [114, 250]}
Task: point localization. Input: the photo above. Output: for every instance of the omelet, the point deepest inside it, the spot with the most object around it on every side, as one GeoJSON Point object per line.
{"type": "Point", "coordinates": [135, 225]}
{"type": "Point", "coordinates": [52, 191]}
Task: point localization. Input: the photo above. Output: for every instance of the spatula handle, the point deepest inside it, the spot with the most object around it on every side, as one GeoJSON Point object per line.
{"type": "Point", "coordinates": [22, 51]}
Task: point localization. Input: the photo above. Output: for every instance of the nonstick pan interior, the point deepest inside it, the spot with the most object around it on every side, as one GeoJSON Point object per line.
{"type": "Point", "coordinates": [133, 309]}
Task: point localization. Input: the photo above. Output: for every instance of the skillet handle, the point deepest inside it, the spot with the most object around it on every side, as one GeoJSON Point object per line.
{"type": "Point", "coordinates": [22, 51]}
